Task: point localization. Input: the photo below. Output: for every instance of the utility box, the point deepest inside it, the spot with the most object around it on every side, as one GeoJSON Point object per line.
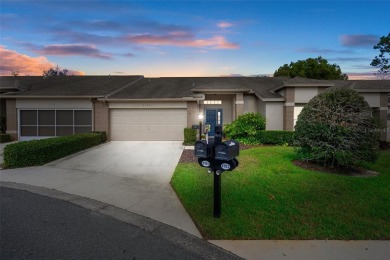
{"type": "Point", "coordinates": [227, 151]}
{"type": "Point", "coordinates": [204, 149]}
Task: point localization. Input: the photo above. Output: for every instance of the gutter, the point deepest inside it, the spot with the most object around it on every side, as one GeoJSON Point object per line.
{"type": "Point", "coordinates": [151, 99]}
{"type": "Point", "coordinates": [48, 97]}
{"type": "Point", "coordinates": [308, 85]}
{"type": "Point", "coordinates": [372, 90]}
{"type": "Point", "coordinates": [221, 90]}
{"type": "Point", "coordinates": [282, 99]}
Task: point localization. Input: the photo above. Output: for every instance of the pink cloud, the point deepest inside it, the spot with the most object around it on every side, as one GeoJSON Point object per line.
{"type": "Point", "coordinates": [182, 39]}
{"type": "Point", "coordinates": [13, 61]}
{"type": "Point", "coordinates": [73, 49]}
{"type": "Point", "coordinates": [358, 40]}
{"type": "Point", "coordinates": [362, 76]}
{"type": "Point", "coordinates": [224, 25]}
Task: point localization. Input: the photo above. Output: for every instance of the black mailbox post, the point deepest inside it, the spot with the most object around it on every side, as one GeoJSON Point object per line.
{"type": "Point", "coordinates": [217, 156]}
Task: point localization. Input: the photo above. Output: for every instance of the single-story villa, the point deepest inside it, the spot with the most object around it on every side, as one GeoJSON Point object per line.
{"type": "Point", "coordinates": [139, 108]}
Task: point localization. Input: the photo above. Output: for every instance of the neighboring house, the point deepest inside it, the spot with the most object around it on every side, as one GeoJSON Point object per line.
{"type": "Point", "coordinates": [138, 108]}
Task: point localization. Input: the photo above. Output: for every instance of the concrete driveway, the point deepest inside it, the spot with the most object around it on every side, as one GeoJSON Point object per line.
{"type": "Point", "coordinates": [131, 175]}
{"type": "Point", "coordinates": [150, 161]}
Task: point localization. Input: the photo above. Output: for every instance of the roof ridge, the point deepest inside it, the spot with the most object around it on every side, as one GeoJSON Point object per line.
{"type": "Point", "coordinates": [125, 86]}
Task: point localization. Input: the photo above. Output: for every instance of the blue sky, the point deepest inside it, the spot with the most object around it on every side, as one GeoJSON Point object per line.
{"type": "Point", "coordinates": [188, 38]}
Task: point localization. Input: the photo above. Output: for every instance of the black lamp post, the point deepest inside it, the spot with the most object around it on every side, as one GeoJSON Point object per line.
{"type": "Point", "coordinates": [200, 116]}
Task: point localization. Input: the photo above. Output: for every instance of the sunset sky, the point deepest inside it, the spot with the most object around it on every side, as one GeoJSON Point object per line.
{"type": "Point", "coordinates": [188, 38]}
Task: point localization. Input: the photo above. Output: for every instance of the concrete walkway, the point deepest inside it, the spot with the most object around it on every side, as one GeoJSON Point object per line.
{"type": "Point", "coordinates": [135, 176]}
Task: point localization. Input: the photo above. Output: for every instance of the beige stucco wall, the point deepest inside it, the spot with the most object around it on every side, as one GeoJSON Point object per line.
{"type": "Point", "coordinates": [303, 95]}
{"type": "Point", "coordinates": [261, 107]}
{"type": "Point", "coordinates": [274, 116]}
{"type": "Point", "coordinates": [388, 125]}
{"type": "Point", "coordinates": [192, 114]}
{"type": "Point", "coordinates": [373, 99]}
{"type": "Point", "coordinates": [227, 106]}
{"type": "Point", "coordinates": [297, 111]}
{"type": "Point", "coordinates": [239, 105]}
{"type": "Point", "coordinates": [101, 117]}
{"type": "Point", "coordinates": [250, 105]}
{"type": "Point", "coordinates": [288, 109]}
{"type": "Point", "coordinates": [12, 124]}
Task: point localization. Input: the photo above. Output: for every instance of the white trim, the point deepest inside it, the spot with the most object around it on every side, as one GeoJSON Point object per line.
{"type": "Point", "coordinates": [239, 102]}
{"type": "Point", "coordinates": [53, 104]}
{"type": "Point", "coordinates": [148, 105]}
{"type": "Point", "coordinates": [288, 104]}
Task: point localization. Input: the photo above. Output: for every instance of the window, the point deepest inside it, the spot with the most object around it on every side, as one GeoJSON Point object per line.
{"type": "Point", "coordinates": [46, 123]}
{"type": "Point", "coordinates": [212, 102]}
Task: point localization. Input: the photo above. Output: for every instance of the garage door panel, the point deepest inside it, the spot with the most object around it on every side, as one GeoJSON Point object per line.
{"type": "Point", "coordinates": [148, 124]}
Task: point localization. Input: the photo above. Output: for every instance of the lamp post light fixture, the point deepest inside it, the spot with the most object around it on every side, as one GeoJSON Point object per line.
{"type": "Point", "coordinates": [200, 116]}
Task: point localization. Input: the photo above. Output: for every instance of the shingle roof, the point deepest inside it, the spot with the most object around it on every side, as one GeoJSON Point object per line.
{"type": "Point", "coordinates": [88, 86]}
{"type": "Point", "coordinates": [171, 87]}
{"type": "Point", "coordinates": [300, 80]}
{"type": "Point", "coordinates": [371, 84]}
{"type": "Point", "coordinates": [137, 87]}
{"type": "Point", "coordinates": [153, 88]}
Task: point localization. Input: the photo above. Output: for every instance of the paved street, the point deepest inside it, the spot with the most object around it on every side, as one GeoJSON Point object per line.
{"type": "Point", "coordinates": [35, 226]}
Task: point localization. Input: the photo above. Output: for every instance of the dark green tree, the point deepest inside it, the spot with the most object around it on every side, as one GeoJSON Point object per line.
{"type": "Point", "coordinates": [312, 68]}
{"type": "Point", "coordinates": [382, 61]}
{"type": "Point", "coordinates": [55, 72]}
{"type": "Point", "coordinates": [336, 129]}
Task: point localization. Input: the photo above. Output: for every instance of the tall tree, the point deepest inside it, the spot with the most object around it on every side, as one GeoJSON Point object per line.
{"type": "Point", "coordinates": [55, 71]}
{"type": "Point", "coordinates": [382, 62]}
{"type": "Point", "coordinates": [312, 68]}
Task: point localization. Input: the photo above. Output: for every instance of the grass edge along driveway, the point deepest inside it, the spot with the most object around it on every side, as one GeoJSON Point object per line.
{"type": "Point", "coordinates": [267, 197]}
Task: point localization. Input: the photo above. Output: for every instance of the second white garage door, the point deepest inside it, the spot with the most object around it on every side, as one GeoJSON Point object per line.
{"type": "Point", "coordinates": [148, 124]}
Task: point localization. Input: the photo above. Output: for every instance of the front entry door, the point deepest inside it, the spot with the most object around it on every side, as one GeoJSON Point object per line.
{"type": "Point", "coordinates": [213, 118]}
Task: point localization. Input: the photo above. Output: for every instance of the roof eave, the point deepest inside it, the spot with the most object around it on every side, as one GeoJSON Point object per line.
{"type": "Point", "coordinates": [219, 90]}
{"type": "Point", "coordinates": [151, 99]}
{"type": "Point", "coordinates": [49, 97]}
{"type": "Point", "coordinates": [308, 85]}
{"type": "Point", "coordinates": [281, 99]}
{"type": "Point", "coordinates": [372, 90]}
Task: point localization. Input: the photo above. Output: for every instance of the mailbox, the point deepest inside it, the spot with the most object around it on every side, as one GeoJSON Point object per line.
{"type": "Point", "coordinates": [204, 149]}
{"type": "Point", "coordinates": [227, 151]}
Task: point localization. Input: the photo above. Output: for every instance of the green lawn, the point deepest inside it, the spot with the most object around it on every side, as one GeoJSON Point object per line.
{"type": "Point", "coordinates": [267, 197]}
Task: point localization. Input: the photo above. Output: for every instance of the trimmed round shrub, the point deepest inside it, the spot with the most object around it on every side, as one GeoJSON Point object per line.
{"type": "Point", "coordinates": [336, 129]}
{"type": "Point", "coordinates": [245, 127]}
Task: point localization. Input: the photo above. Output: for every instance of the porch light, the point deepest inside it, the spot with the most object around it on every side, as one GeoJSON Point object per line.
{"type": "Point", "coordinates": [200, 116]}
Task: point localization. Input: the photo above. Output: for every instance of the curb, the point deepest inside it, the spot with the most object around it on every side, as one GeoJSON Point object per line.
{"type": "Point", "coordinates": [180, 238]}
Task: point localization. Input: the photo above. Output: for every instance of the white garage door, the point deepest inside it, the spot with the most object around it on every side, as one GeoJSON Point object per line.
{"type": "Point", "coordinates": [148, 124]}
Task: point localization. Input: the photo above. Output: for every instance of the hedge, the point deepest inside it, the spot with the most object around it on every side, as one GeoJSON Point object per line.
{"type": "Point", "coordinates": [5, 138]}
{"type": "Point", "coordinates": [39, 152]}
{"type": "Point", "coordinates": [103, 135]}
{"type": "Point", "coordinates": [269, 137]}
{"type": "Point", "coordinates": [276, 137]}
{"type": "Point", "coordinates": [189, 136]}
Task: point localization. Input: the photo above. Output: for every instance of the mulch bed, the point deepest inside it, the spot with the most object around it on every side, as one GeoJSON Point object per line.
{"type": "Point", "coordinates": [188, 156]}
{"type": "Point", "coordinates": [355, 172]}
